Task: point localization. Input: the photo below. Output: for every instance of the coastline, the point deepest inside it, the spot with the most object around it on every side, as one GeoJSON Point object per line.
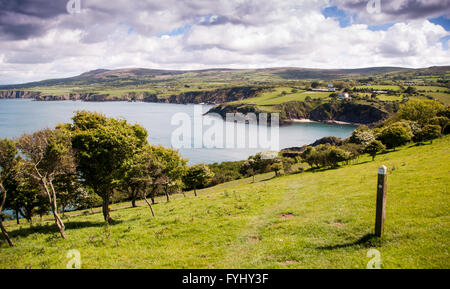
{"type": "Point", "coordinates": [307, 120]}
{"type": "Point", "coordinates": [302, 120]}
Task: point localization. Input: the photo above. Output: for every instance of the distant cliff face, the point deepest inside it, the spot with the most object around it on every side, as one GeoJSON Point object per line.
{"type": "Point", "coordinates": [18, 94]}
{"type": "Point", "coordinates": [207, 96]}
{"type": "Point", "coordinates": [349, 112]}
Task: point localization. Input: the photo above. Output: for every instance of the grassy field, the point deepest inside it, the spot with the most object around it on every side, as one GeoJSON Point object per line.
{"type": "Point", "coordinates": [380, 87]}
{"type": "Point", "coordinates": [441, 96]}
{"type": "Point", "coordinates": [283, 94]}
{"type": "Point", "coordinates": [321, 219]}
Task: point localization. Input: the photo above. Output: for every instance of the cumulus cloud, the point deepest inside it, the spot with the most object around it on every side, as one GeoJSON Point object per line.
{"type": "Point", "coordinates": [395, 10]}
{"type": "Point", "coordinates": [41, 40]}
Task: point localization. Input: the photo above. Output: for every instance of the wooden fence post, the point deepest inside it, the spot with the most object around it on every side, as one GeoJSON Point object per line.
{"type": "Point", "coordinates": [381, 201]}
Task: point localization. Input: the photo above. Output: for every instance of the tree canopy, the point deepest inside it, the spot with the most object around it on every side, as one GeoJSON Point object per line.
{"type": "Point", "coordinates": [102, 146]}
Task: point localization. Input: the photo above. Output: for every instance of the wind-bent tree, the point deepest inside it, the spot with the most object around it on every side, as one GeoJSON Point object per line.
{"type": "Point", "coordinates": [24, 193]}
{"type": "Point", "coordinates": [276, 167]}
{"type": "Point", "coordinates": [197, 176]}
{"type": "Point", "coordinates": [68, 189]}
{"type": "Point", "coordinates": [248, 169]}
{"type": "Point", "coordinates": [173, 168]}
{"type": "Point", "coordinates": [140, 173]}
{"type": "Point", "coordinates": [144, 173]}
{"type": "Point", "coordinates": [48, 155]}
{"type": "Point", "coordinates": [8, 152]}
{"type": "Point", "coordinates": [102, 146]}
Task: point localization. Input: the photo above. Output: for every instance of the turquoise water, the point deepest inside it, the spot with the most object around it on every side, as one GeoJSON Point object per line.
{"type": "Point", "coordinates": [18, 116]}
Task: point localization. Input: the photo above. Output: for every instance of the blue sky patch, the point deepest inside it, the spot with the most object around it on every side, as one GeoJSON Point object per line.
{"type": "Point", "coordinates": [444, 41]}
{"type": "Point", "coordinates": [381, 27]}
{"type": "Point", "coordinates": [443, 21]}
{"type": "Point", "coordinates": [177, 31]}
{"type": "Point", "coordinates": [344, 18]}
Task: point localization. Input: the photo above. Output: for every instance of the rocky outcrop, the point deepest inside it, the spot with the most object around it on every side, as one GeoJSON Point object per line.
{"type": "Point", "coordinates": [348, 112]}
{"type": "Point", "coordinates": [294, 152]}
{"type": "Point", "coordinates": [341, 111]}
{"type": "Point", "coordinates": [204, 96]}
{"type": "Point", "coordinates": [18, 94]}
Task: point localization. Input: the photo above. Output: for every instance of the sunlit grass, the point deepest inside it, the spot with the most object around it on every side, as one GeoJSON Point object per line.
{"type": "Point", "coordinates": [309, 220]}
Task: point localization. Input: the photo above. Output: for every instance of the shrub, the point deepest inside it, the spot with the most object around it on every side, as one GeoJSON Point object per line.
{"type": "Point", "coordinates": [420, 110]}
{"type": "Point", "coordinates": [276, 167]}
{"type": "Point", "coordinates": [197, 176]}
{"type": "Point", "coordinates": [362, 135]}
{"type": "Point", "coordinates": [225, 172]}
{"type": "Point", "coordinates": [287, 164]}
{"type": "Point", "coordinates": [442, 121]}
{"type": "Point", "coordinates": [395, 135]}
{"type": "Point", "coordinates": [332, 140]}
{"type": "Point", "coordinates": [336, 155]}
{"type": "Point", "coordinates": [354, 149]}
{"type": "Point", "coordinates": [373, 148]}
{"type": "Point", "coordinates": [325, 156]}
{"type": "Point", "coordinates": [429, 132]}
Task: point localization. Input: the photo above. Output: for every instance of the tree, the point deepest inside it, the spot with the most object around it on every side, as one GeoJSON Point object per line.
{"type": "Point", "coordinates": [257, 164]}
{"type": "Point", "coordinates": [248, 169]}
{"type": "Point", "coordinates": [88, 199]}
{"type": "Point", "coordinates": [102, 146]}
{"type": "Point", "coordinates": [325, 155]}
{"type": "Point", "coordinates": [373, 148]}
{"type": "Point", "coordinates": [411, 90]}
{"type": "Point", "coordinates": [395, 135]}
{"type": "Point", "coordinates": [276, 167]}
{"type": "Point", "coordinates": [287, 164]}
{"type": "Point", "coordinates": [197, 176]}
{"type": "Point", "coordinates": [8, 152]}
{"type": "Point", "coordinates": [144, 171]}
{"type": "Point", "coordinates": [68, 188]}
{"type": "Point", "coordinates": [315, 84]}
{"type": "Point", "coordinates": [309, 156]}
{"type": "Point", "coordinates": [362, 135]}
{"type": "Point", "coordinates": [421, 111]}
{"type": "Point", "coordinates": [336, 155]}
{"type": "Point", "coordinates": [428, 133]}
{"type": "Point", "coordinates": [49, 155]}
{"type": "Point", "coordinates": [442, 121]}
{"type": "Point", "coordinates": [24, 193]}
{"type": "Point", "coordinates": [173, 168]}
{"type": "Point", "coordinates": [133, 177]}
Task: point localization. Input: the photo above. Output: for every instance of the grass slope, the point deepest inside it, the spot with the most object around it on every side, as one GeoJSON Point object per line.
{"type": "Point", "coordinates": [317, 219]}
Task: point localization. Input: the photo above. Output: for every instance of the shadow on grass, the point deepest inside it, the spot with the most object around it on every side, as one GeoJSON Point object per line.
{"type": "Point", "coordinates": [420, 144]}
{"type": "Point", "coordinates": [265, 180]}
{"type": "Point", "coordinates": [322, 169]}
{"type": "Point", "coordinates": [368, 240]}
{"type": "Point", "coordinates": [362, 163]}
{"type": "Point", "coordinates": [52, 228]}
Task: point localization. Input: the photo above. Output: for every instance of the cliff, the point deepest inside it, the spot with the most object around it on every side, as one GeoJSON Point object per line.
{"type": "Point", "coordinates": [205, 96]}
{"type": "Point", "coordinates": [18, 94]}
{"type": "Point", "coordinates": [339, 111]}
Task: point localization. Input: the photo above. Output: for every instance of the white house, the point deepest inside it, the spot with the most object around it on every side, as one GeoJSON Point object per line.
{"type": "Point", "coordinates": [344, 96]}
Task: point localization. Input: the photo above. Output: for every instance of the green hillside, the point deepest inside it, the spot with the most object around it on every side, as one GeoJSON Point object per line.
{"type": "Point", "coordinates": [321, 219]}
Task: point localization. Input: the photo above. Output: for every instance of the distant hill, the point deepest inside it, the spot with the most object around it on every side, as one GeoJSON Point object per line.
{"type": "Point", "coordinates": [131, 76]}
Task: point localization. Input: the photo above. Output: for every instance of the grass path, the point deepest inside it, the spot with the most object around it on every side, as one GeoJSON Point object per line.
{"type": "Point", "coordinates": [245, 248]}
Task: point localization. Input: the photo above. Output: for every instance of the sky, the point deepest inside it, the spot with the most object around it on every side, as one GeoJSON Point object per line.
{"type": "Point", "coordinates": [41, 39]}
